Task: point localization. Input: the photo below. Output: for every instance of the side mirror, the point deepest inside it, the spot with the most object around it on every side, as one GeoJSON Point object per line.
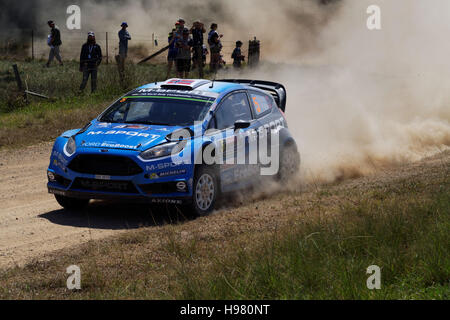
{"type": "Point", "coordinates": [241, 124]}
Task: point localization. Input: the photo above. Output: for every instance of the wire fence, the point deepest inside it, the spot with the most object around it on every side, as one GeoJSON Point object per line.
{"type": "Point", "coordinates": [25, 44]}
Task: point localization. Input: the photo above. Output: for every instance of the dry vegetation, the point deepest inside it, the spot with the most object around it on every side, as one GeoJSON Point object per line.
{"type": "Point", "coordinates": [313, 242]}
{"type": "Point", "coordinates": [43, 120]}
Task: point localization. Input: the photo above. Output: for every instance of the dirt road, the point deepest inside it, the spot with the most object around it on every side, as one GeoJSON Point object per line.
{"type": "Point", "coordinates": [33, 225]}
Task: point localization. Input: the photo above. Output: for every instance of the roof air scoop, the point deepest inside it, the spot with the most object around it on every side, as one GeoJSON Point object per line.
{"type": "Point", "coordinates": [183, 84]}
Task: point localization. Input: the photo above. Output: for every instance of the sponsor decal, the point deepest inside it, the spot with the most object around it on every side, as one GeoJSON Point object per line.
{"type": "Point", "coordinates": [162, 166]}
{"type": "Point", "coordinates": [171, 173]}
{"type": "Point", "coordinates": [58, 164]}
{"type": "Point", "coordinates": [57, 192]}
{"type": "Point", "coordinates": [181, 186]}
{"type": "Point", "coordinates": [154, 176]}
{"type": "Point", "coordinates": [167, 201]}
{"type": "Point", "coordinates": [63, 161]}
{"type": "Point", "coordinates": [158, 175]}
{"type": "Point", "coordinates": [127, 133]}
{"type": "Point", "coordinates": [99, 177]}
{"type": "Point", "coordinates": [111, 145]}
{"type": "Point", "coordinates": [158, 92]}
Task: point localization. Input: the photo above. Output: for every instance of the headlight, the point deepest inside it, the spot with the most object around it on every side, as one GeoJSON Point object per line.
{"type": "Point", "coordinates": [161, 151]}
{"type": "Point", "coordinates": [70, 147]}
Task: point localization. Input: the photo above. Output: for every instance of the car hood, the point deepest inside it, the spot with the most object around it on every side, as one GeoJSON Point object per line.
{"type": "Point", "coordinates": [123, 136]}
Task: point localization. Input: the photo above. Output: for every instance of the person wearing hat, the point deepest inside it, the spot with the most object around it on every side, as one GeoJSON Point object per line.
{"type": "Point", "coordinates": [173, 50]}
{"type": "Point", "coordinates": [90, 59]}
{"type": "Point", "coordinates": [124, 37]}
{"type": "Point", "coordinates": [183, 60]}
{"type": "Point", "coordinates": [54, 42]}
{"type": "Point", "coordinates": [197, 30]}
{"type": "Point", "coordinates": [237, 55]}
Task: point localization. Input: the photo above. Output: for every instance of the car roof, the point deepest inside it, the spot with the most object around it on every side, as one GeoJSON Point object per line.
{"type": "Point", "coordinates": [194, 85]}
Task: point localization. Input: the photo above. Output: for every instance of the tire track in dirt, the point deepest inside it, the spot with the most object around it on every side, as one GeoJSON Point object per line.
{"type": "Point", "coordinates": [31, 221]}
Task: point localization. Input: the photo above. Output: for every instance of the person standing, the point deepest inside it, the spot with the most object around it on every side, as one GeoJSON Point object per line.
{"type": "Point", "coordinates": [54, 42]}
{"type": "Point", "coordinates": [124, 37]}
{"type": "Point", "coordinates": [237, 55]}
{"type": "Point", "coordinates": [213, 31]}
{"type": "Point", "coordinates": [215, 49]}
{"type": "Point", "coordinates": [197, 30]}
{"type": "Point", "coordinates": [90, 59]}
{"type": "Point", "coordinates": [183, 60]}
{"type": "Point", "coordinates": [172, 55]}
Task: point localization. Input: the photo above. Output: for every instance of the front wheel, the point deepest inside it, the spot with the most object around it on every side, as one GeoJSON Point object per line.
{"type": "Point", "coordinates": [205, 191]}
{"type": "Point", "coordinates": [71, 203]}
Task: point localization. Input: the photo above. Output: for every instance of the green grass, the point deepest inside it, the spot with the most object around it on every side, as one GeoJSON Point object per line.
{"type": "Point", "coordinates": [39, 120]}
{"type": "Point", "coordinates": [321, 250]}
{"type": "Point", "coordinates": [328, 259]}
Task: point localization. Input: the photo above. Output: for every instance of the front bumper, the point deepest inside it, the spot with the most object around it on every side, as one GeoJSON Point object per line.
{"type": "Point", "coordinates": [159, 181]}
{"type": "Point", "coordinates": [113, 196]}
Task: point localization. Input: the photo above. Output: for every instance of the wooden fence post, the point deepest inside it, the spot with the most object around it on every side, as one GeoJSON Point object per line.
{"type": "Point", "coordinates": [32, 45]}
{"type": "Point", "coordinates": [18, 79]}
{"type": "Point", "coordinates": [107, 49]}
{"type": "Point", "coordinates": [253, 52]}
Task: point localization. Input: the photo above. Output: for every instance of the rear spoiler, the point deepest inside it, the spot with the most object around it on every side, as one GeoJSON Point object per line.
{"type": "Point", "coordinates": [277, 90]}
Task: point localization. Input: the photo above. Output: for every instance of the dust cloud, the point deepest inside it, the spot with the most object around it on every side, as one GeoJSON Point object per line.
{"type": "Point", "coordinates": [358, 100]}
{"type": "Point", "coordinates": [365, 100]}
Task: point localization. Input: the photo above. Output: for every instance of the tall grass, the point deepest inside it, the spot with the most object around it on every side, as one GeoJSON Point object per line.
{"type": "Point", "coordinates": [327, 259]}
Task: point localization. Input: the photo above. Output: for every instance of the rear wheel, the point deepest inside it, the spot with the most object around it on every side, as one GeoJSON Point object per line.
{"type": "Point", "coordinates": [71, 203]}
{"type": "Point", "coordinates": [289, 163]}
{"type": "Point", "coordinates": [205, 191]}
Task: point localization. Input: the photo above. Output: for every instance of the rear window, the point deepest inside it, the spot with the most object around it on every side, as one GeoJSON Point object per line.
{"type": "Point", "coordinates": [261, 103]}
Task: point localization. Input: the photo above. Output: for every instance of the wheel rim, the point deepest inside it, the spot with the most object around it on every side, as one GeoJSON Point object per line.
{"type": "Point", "coordinates": [204, 191]}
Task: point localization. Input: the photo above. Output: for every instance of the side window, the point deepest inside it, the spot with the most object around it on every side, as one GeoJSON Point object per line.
{"type": "Point", "coordinates": [262, 103]}
{"type": "Point", "coordinates": [234, 107]}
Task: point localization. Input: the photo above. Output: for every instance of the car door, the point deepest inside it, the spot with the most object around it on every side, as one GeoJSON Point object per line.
{"type": "Point", "coordinates": [234, 172]}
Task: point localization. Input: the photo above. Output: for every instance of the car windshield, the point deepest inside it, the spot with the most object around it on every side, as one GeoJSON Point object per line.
{"type": "Point", "coordinates": [168, 111]}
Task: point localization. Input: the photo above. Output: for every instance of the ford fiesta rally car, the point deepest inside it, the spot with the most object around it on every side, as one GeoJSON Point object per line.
{"type": "Point", "coordinates": [133, 150]}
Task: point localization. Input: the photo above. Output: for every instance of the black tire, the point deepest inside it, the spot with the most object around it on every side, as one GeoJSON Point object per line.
{"type": "Point", "coordinates": [204, 200]}
{"type": "Point", "coordinates": [289, 163]}
{"type": "Point", "coordinates": [71, 203]}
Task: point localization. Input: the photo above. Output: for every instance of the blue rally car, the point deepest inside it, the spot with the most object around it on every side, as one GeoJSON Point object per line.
{"type": "Point", "coordinates": [138, 150]}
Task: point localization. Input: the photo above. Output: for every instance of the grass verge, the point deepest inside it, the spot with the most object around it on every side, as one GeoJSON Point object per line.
{"type": "Point", "coordinates": [310, 245]}
{"type": "Point", "coordinates": [43, 120]}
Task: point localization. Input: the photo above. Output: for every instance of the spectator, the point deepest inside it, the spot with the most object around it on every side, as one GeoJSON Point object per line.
{"type": "Point", "coordinates": [213, 31]}
{"type": "Point", "coordinates": [171, 57]}
{"type": "Point", "coordinates": [215, 49]}
{"type": "Point", "coordinates": [183, 60]}
{"type": "Point", "coordinates": [124, 37]}
{"type": "Point", "coordinates": [205, 52]}
{"type": "Point", "coordinates": [237, 55]}
{"type": "Point", "coordinates": [181, 24]}
{"type": "Point", "coordinates": [54, 42]}
{"type": "Point", "coordinates": [197, 30]}
{"type": "Point", "coordinates": [90, 59]}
